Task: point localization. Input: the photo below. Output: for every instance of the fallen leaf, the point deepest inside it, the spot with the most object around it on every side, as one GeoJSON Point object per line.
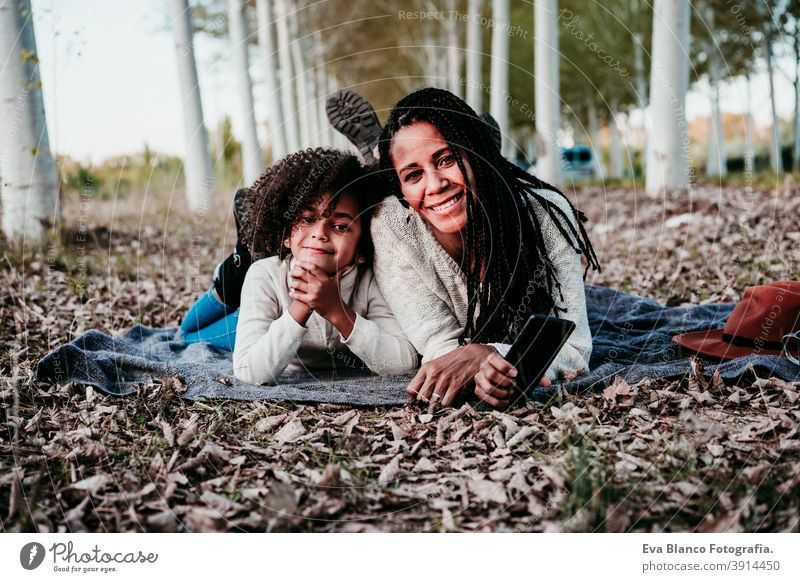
{"type": "Point", "coordinates": [391, 471]}
{"type": "Point", "coordinates": [487, 491]}
{"type": "Point", "coordinates": [290, 432]}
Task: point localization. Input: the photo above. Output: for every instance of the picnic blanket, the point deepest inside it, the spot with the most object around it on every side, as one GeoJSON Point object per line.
{"type": "Point", "coordinates": [632, 338]}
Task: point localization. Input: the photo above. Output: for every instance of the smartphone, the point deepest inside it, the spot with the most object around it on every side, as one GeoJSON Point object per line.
{"type": "Point", "coordinates": [536, 346]}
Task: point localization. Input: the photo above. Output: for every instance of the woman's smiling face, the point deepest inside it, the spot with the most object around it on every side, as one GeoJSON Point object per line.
{"type": "Point", "coordinates": [430, 179]}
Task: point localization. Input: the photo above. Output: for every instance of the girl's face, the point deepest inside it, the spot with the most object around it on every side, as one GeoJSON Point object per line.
{"type": "Point", "coordinates": [430, 179]}
{"type": "Point", "coordinates": [327, 237]}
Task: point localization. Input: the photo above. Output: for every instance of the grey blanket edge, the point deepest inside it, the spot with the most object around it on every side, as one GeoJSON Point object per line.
{"type": "Point", "coordinates": [632, 338]}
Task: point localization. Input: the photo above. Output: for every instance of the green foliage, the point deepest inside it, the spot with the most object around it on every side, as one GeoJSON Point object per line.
{"type": "Point", "coordinates": [118, 177]}
{"type": "Point", "coordinates": [226, 153]}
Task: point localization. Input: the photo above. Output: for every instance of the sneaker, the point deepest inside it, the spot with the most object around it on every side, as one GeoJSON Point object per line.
{"type": "Point", "coordinates": [230, 278]}
{"type": "Point", "coordinates": [352, 116]}
{"type": "Point", "coordinates": [494, 129]}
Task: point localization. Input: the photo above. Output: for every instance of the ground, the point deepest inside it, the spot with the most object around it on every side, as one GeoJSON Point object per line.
{"type": "Point", "coordinates": [691, 455]}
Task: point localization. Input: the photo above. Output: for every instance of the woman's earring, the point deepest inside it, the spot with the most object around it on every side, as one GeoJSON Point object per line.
{"type": "Point", "coordinates": [361, 260]}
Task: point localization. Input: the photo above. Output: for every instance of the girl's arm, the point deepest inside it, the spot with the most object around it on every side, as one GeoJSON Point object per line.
{"type": "Point", "coordinates": [267, 338]}
{"type": "Point", "coordinates": [376, 337]}
{"type": "Point", "coordinates": [373, 335]}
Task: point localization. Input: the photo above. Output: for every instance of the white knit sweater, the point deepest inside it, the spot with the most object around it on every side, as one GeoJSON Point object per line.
{"type": "Point", "coordinates": [269, 341]}
{"type": "Point", "coordinates": [427, 290]}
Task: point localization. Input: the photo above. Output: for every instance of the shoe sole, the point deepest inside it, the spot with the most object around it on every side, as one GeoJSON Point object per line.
{"type": "Point", "coordinates": [352, 116]}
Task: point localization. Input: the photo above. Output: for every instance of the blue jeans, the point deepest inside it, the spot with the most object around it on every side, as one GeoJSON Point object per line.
{"type": "Point", "coordinates": [210, 320]}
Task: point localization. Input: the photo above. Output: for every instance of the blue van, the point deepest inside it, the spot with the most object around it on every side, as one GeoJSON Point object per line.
{"type": "Point", "coordinates": [578, 163]}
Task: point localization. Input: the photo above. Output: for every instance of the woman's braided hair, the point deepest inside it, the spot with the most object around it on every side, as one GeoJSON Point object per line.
{"type": "Point", "coordinates": [500, 219]}
{"type": "Point", "coordinates": [297, 182]}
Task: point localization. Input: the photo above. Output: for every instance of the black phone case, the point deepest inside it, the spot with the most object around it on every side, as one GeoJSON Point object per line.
{"type": "Point", "coordinates": [535, 348]}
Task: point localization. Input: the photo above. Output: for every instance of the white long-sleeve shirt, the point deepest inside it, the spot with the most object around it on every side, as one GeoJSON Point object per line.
{"type": "Point", "coordinates": [270, 341]}
{"type": "Point", "coordinates": [427, 290]}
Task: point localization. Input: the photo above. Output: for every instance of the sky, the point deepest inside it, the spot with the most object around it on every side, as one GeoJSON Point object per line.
{"type": "Point", "coordinates": [110, 85]}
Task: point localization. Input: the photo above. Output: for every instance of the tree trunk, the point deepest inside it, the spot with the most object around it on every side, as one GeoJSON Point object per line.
{"type": "Point", "coordinates": [303, 108]}
{"type": "Point", "coordinates": [668, 145]}
{"type": "Point", "coordinates": [197, 163]}
{"type": "Point", "coordinates": [498, 104]}
{"type": "Point", "coordinates": [717, 164]}
{"type": "Point", "coordinates": [431, 65]}
{"type": "Point", "coordinates": [323, 84]}
{"type": "Point", "coordinates": [775, 161]}
{"type": "Point", "coordinates": [442, 74]}
{"type": "Point", "coordinates": [454, 54]}
{"type": "Point", "coordinates": [275, 117]}
{"type": "Point", "coordinates": [474, 57]}
{"type": "Point", "coordinates": [641, 92]}
{"type": "Point", "coordinates": [28, 177]}
{"type": "Point", "coordinates": [252, 165]}
{"type": "Point", "coordinates": [339, 141]}
{"type": "Point", "coordinates": [616, 167]}
{"type": "Point", "coordinates": [530, 148]}
{"type": "Point", "coordinates": [320, 92]}
{"type": "Point", "coordinates": [287, 76]}
{"type": "Point", "coordinates": [749, 150]}
{"type": "Point", "coordinates": [314, 138]}
{"type": "Point", "coordinates": [594, 128]}
{"type": "Point", "coordinates": [796, 149]}
{"type": "Point", "coordinates": [548, 113]}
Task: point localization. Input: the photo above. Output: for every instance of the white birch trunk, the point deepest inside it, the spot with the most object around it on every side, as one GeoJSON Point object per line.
{"type": "Point", "coordinates": [498, 104]}
{"type": "Point", "coordinates": [197, 162]}
{"type": "Point", "coordinates": [616, 169]}
{"type": "Point", "coordinates": [775, 161]}
{"type": "Point", "coordinates": [339, 141]}
{"type": "Point", "coordinates": [301, 87]}
{"type": "Point", "coordinates": [28, 178]}
{"type": "Point", "coordinates": [252, 165]}
{"type": "Point", "coordinates": [548, 113]}
{"type": "Point", "coordinates": [442, 76]}
{"type": "Point", "coordinates": [668, 145]}
{"type": "Point", "coordinates": [332, 87]}
{"type": "Point", "coordinates": [320, 91]}
{"type": "Point", "coordinates": [717, 164]}
{"type": "Point", "coordinates": [454, 54]}
{"type": "Point", "coordinates": [594, 128]}
{"type": "Point", "coordinates": [430, 65]}
{"type": "Point", "coordinates": [641, 91]}
{"type": "Point", "coordinates": [749, 149]}
{"type": "Point", "coordinates": [266, 42]}
{"type": "Point", "coordinates": [530, 149]}
{"type": "Point", "coordinates": [312, 105]}
{"type": "Point", "coordinates": [796, 149]}
{"type": "Point", "coordinates": [474, 57]}
{"type": "Point", "coordinates": [287, 76]}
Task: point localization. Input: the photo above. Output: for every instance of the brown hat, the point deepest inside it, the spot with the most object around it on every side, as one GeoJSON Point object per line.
{"type": "Point", "coordinates": [755, 326]}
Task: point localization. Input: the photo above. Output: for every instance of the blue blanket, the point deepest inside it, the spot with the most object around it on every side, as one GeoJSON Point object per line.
{"type": "Point", "coordinates": [632, 338]}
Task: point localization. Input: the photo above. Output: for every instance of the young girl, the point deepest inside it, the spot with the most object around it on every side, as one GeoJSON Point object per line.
{"type": "Point", "coordinates": [309, 299]}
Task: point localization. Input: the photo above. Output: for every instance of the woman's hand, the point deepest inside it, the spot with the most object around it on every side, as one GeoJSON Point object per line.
{"type": "Point", "coordinates": [495, 381]}
{"type": "Point", "coordinates": [442, 379]}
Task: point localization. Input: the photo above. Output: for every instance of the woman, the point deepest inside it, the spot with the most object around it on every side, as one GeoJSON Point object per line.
{"type": "Point", "coordinates": [468, 246]}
